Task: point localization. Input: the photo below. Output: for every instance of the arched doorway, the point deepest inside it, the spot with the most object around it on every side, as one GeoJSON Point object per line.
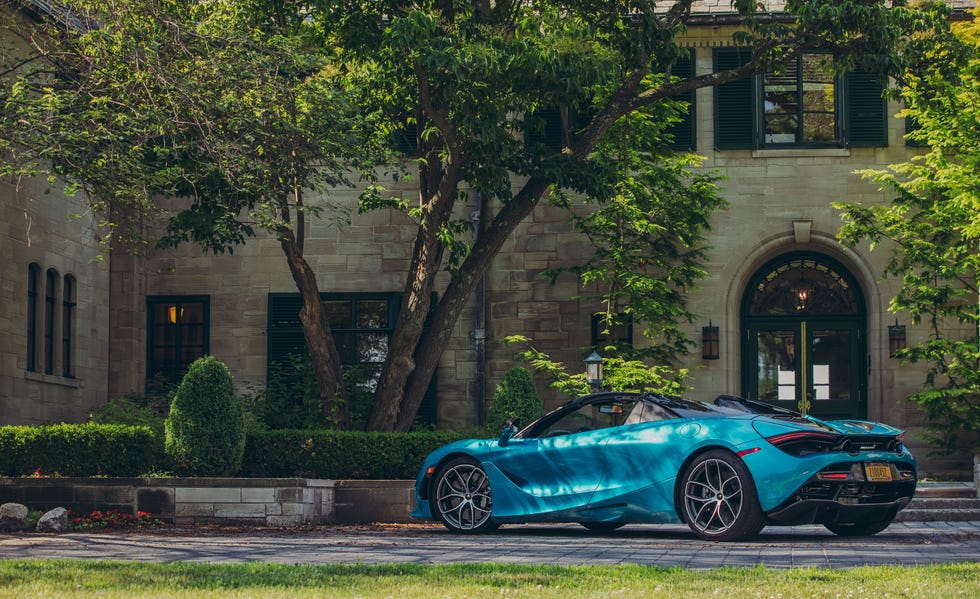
{"type": "Point", "coordinates": [804, 345]}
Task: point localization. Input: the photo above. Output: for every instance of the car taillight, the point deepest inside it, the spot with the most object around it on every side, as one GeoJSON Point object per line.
{"type": "Point", "coordinates": [800, 443]}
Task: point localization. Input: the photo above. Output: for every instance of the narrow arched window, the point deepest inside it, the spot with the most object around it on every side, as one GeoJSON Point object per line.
{"type": "Point", "coordinates": [33, 280]}
{"type": "Point", "coordinates": [50, 293]}
{"type": "Point", "coordinates": [67, 325]}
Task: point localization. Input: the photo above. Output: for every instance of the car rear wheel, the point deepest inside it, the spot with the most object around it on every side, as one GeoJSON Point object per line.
{"type": "Point", "coordinates": [859, 529]}
{"type": "Point", "coordinates": [719, 500]}
{"type": "Point", "coordinates": [461, 497]}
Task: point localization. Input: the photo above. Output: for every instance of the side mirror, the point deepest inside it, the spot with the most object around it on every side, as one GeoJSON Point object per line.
{"type": "Point", "coordinates": [508, 431]}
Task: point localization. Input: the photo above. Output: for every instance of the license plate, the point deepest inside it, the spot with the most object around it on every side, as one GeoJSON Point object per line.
{"type": "Point", "coordinates": [877, 473]}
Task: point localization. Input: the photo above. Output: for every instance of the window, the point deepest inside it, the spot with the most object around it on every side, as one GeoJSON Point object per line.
{"type": "Point", "coordinates": [618, 332]}
{"type": "Point", "coordinates": [799, 105]}
{"type": "Point", "coordinates": [178, 330]}
{"type": "Point", "coordinates": [67, 325]}
{"type": "Point", "coordinates": [50, 292]}
{"type": "Point", "coordinates": [33, 279]}
{"type": "Point", "coordinates": [551, 128]}
{"type": "Point", "coordinates": [362, 325]}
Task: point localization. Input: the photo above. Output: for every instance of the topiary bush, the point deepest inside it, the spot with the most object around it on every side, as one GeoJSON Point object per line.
{"type": "Point", "coordinates": [205, 431]}
{"type": "Point", "coordinates": [515, 399]}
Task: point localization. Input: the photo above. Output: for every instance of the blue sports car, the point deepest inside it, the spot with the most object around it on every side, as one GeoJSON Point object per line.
{"type": "Point", "coordinates": [726, 469]}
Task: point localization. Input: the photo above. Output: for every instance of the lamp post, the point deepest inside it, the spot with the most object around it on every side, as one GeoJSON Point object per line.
{"type": "Point", "coordinates": [593, 371]}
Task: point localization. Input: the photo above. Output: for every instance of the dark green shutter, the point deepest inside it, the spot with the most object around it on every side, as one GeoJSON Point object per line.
{"type": "Point", "coordinates": [734, 106]}
{"type": "Point", "coordinates": [284, 335]}
{"type": "Point", "coordinates": [684, 131]}
{"type": "Point", "coordinates": [865, 111]}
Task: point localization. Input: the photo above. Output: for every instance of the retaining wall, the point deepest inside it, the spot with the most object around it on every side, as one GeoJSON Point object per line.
{"type": "Point", "coordinates": [264, 501]}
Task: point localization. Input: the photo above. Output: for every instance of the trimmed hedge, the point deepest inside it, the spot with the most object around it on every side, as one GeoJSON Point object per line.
{"type": "Point", "coordinates": [339, 454]}
{"type": "Point", "coordinates": [128, 451]}
{"type": "Point", "coordinates": [76, 450]}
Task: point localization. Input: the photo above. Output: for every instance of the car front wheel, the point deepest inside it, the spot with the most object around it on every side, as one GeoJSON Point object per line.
{"type": "Point", "coordinates": [461, 497]}
{"type": "Point", "coordinates": [719, 500]}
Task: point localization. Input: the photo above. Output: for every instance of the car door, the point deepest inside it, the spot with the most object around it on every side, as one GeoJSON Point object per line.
{"type": "Point", "coordinates": [559, 466]}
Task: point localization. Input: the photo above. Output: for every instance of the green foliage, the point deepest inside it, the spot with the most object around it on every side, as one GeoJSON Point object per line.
{"type": "Point", "coordinates": [205, 431]}
{"type": "Point", "coordinates": [339, 454]}
{"type": "Point", "coordinates": [619, 374]}
{"type": "Point", "coordinates": [932, 230]}
{"type": "Point", "coordinates": [292, 396]}
{"type": "Point", "coordinates": [515, 399]}
{"type": "Point", "coordinates": [138, 410]}
{"type": "Point", "coordinates": [76, 450]}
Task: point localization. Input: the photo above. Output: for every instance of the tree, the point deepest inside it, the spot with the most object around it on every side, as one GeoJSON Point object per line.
{"type": "Point", "coordinates": [469, 75]}
{"type": "Point", "coordinates": [243, 108]}
{"type": "Point", "coordinates": [932, 229]}
{"type": "Point", "coordinates": [237, 111]}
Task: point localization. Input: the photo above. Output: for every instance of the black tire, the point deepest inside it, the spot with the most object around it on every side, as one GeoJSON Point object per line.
{"type": "Point", "coordinates": [461, 497]}
{"type": "Point", "coordinates": [602, 526]}
{"type": "Point", "coordinates": [859, 529]}
{"type": "Point", "coordinates": [718, 498]}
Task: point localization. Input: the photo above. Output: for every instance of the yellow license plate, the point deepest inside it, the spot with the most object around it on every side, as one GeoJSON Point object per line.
{"type": "Point", "coordinates": [877, 473]}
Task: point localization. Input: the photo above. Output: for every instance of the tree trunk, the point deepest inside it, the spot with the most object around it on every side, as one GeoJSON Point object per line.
{"type": "Point", "coordinates": [427, 258]}
{"type": "Point", "coordinates": [428, 349]}
{"type": "Point", "coordinates": [316, 332]}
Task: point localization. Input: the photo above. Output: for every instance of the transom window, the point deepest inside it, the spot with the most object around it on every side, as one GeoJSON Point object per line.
{"type": "Point", "coordinates": [799, 103]}
{"type": "Point", "coordinates": [801, 286]}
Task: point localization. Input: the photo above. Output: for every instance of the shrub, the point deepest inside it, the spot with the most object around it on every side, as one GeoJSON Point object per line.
{"type": "Point", "coordinates": [515, 399]}
{"type": "Point", "coordinates": [205, 431]}
{"type": "Point", "coordinates": [76, 450]}
{"type": "Point", "coordinates": [335, 454]}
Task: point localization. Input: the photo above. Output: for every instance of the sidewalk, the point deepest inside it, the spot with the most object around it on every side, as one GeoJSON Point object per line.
{"type": "Point", "coordinates": [906, 543]}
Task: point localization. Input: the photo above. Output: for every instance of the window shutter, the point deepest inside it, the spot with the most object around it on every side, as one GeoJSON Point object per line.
{"type": "Point", "coordinates": [285, 332]}
{"type": "Point", "coordinates": [734, 107]}
{"type": "Point", "coordinates": [684, 131]}
{"type": "Point", "coordinates": [866, 117]}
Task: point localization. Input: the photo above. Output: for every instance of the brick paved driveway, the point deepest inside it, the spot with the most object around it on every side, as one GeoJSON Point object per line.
{"type": "Point", "coordinates": [667, 545]}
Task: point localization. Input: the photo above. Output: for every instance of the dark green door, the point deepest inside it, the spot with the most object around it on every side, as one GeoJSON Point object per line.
{"type": "Point", "coordinates": [813, 366]}
{"type": "Point", "coordinates": [803, 346]}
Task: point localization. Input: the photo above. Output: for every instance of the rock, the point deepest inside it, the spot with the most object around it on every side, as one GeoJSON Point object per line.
{"type": "Point", "coordinates": [53, 521]}
{"type": "Point", "coordinates": [13, 517]}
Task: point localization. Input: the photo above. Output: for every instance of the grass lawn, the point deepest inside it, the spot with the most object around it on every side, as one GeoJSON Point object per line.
{"type": "Point", "coordinates": [67, 578]}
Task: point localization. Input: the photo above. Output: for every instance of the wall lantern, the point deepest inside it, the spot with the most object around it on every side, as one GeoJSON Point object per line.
{"type": "Point", "coordinates": [709, 342]}
{"type": "Point", "coordinates": [896, 338]}
{"type": "Point", "coordinates": [593, 371]}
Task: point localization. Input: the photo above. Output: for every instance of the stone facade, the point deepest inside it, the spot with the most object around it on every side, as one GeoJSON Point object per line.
{"type": "Point", "coordinates": [780, 204]}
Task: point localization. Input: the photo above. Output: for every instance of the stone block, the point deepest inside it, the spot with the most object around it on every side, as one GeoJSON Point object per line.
{"type": "Point", "coordinates": [235, 511]}
{"type": "Point", "coordinates": [208, 495]}
{"type": "Point", "coordinates": [258, 495]}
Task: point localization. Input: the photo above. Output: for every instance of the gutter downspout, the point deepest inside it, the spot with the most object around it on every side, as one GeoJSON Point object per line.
{"type": "Point", "coordinates": [479, 333]}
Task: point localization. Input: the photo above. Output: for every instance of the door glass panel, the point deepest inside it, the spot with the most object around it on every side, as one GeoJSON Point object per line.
{"type": "Point", "coordinates": [777, 366]}
{"type": "Point", "coordinates": [831, 351]}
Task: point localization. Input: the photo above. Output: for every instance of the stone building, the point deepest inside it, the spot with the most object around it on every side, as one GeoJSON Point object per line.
{"type": "Point", "coordinates": [786, 307]}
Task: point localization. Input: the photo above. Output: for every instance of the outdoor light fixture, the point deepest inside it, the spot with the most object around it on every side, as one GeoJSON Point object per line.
{"type": "Point", "coordinates": [593, 371]}
{"type": "Point", "coordinates": [709, 342]}
{"type": "Point", "coordinates": [896, 338]}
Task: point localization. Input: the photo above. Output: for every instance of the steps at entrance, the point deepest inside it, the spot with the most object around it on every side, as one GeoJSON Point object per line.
{"type": "Point", "coordinates": [942, 502]}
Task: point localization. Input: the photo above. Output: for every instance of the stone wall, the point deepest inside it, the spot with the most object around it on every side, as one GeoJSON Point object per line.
{"type": "Point", "coordinates": [259, 501]}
